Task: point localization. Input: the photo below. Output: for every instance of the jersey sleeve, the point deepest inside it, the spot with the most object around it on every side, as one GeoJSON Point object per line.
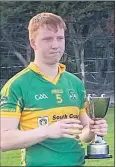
{"type": "Point", "coordinates": [82, 98]}
{"type": "Point", "coordinates": [11, 103]}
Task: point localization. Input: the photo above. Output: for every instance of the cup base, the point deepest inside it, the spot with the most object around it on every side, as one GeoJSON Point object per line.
{"type": "Point", "coordinates": [98, 156]}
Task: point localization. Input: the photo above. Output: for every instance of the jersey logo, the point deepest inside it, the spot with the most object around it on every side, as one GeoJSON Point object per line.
{"type": "Point", "coordinates": [72, 95]}
{"type": "Point", "coordinates": [42, 121]}
{"type": "Point", "coordinates": [41, 96]}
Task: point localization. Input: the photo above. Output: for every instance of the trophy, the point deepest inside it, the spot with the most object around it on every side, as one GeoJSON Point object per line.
{"type": "Point", "coordinates": [98, 107]}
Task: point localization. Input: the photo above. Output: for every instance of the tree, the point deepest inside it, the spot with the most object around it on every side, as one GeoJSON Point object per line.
{"type": "Point", "coordinates": [85, 21]}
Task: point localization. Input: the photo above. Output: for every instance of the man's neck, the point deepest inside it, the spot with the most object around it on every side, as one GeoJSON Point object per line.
{"type": "Point", "coordinates": [48, 70]}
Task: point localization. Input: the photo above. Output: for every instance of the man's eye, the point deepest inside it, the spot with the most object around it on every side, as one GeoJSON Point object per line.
{"type": "Point", "coordinates": [47, 39]}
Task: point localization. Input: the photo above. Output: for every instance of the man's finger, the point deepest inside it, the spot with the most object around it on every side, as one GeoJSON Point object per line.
{"type": "Point", "coordinates": [101, 121]}
{"type": "Point", "coordinates": [98, 126]}
{"type": "Point", "coordinates": [74, 125]}
{"type": "Point", "coordinates": [68, 136]}
{"type": "Point", "coordinates": [103, 130]}
{"type": "Point", "coordinates": [71, 131]}
{"type": "Point", "coordinates": [71, 121]}
{"type": "Point", "coordinates": [91, 121]}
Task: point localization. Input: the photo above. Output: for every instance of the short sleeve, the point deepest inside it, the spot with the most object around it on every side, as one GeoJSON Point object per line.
{"type": "Point", "coordinates": [82, 98]}
{"type": "Point", "coordinates": [11, 103]}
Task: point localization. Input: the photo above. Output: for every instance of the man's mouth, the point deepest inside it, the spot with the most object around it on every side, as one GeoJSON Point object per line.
{"type": "Point", "coordinates": [54, 52]}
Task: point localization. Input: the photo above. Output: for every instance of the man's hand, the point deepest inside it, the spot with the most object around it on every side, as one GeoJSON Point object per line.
{"type": "Point", "coordinates": [99, 126]}
{"type": "Point", "coordinates": [64, 128]}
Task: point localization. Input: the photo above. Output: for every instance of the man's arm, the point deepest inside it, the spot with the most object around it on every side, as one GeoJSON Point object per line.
{"type": "Point", "coordinates": [92, 128]}
{"type": "Point", "coordinates": [12, 138]}
{"type": "Point", "coordinates": [86, 135]}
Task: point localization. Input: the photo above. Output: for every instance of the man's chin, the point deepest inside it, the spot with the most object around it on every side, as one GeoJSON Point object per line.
{"type": "Point", "coordinates": [53, 61]}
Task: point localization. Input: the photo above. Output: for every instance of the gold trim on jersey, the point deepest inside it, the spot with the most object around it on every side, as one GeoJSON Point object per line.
{"type": "Point", "coordinates": [18, 109]}
{"type": "Point", "coordinates": [31, 120]}
{"type": "Point", "coordinates": [8, 84]}
{"type": "Point", "coordinates": [31, 109]}
{"type": "Point", "coordinates": [36, 69]}
{"type": "Point", "coordinates": [82, 111]}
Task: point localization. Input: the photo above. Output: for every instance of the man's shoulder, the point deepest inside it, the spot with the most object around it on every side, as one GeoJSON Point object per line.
{"type": "Point", "coordinates": [19, 79]}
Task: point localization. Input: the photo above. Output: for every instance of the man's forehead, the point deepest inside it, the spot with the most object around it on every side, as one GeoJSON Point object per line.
{"type": "Point", "coordinates": [46, 29]}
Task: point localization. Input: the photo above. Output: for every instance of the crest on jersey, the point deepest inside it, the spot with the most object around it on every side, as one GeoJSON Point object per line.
{"type": "Point", "coordinates": [72, 95]}
{"type": "Point", "coordinates": [42, 121]}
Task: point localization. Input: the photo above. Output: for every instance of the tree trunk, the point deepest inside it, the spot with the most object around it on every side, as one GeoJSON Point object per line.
{"type": "Point", "coordinates": [75, 47]}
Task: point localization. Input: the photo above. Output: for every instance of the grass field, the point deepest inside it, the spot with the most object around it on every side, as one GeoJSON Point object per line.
{"type": "Point", "coordinates": [12, 158]}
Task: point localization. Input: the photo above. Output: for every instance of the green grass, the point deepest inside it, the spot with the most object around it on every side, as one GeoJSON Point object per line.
{"type": "Point", "coordinates": [12, 158]}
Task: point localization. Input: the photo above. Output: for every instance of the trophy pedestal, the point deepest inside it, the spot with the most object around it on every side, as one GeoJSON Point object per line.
{"type": "Point", "coordinates": [98, 151]}
{"type": "Point", "coordinates": [100, 156]}
{"type": "Point", "coordinates": [98, 107]}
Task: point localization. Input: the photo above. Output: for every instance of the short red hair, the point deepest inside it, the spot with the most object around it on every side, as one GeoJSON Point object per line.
{"type": "Point", "coordinates": [49, 19]}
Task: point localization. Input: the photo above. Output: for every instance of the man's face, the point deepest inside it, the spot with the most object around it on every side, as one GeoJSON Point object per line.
{"type": "Point", "coordinates": [49, 45]}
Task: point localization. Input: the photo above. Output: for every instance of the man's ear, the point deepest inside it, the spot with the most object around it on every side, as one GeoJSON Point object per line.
{"type": "Point", "coordinates": [32, 43]}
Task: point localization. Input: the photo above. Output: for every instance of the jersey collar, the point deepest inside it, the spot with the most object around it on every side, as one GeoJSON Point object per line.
{"type": "Point", "coordinates": [36, 69]}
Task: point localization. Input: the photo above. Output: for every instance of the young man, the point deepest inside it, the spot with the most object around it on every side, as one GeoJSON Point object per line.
{"type": "Point", "coordinates": [42, 107]}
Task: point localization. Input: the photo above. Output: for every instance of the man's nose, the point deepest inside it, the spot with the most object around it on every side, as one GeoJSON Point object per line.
{"type": "Point", "coordinates": [55, 44]}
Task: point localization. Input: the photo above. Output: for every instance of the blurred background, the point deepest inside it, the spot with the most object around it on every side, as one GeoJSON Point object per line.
{"type": "Point", "coordinates": [89, 51]}
{"type": "Point", "coordinates": [89, 40]}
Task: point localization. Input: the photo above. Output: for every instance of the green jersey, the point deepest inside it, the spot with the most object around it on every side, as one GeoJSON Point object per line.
{"type": "Point", "coordinates": [37, 101]}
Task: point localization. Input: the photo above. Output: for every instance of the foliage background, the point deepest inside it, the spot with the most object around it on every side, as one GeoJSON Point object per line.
{"type": "Point", "coordinates": [89, 39]}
